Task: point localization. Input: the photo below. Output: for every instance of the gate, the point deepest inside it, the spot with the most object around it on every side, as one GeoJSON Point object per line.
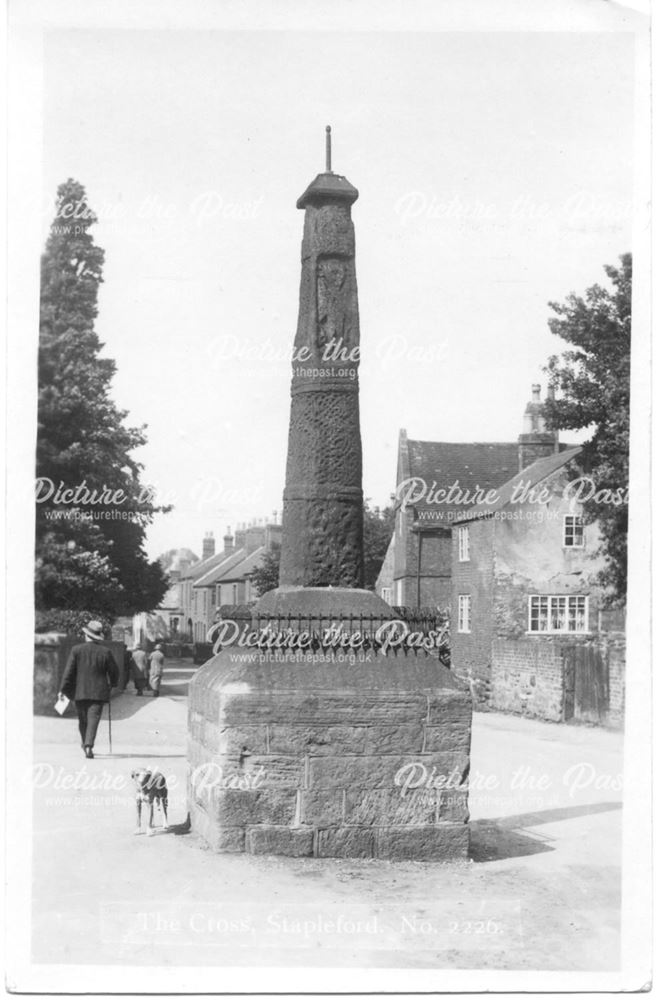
{"type": "Point", "coordinates": [586, 684]}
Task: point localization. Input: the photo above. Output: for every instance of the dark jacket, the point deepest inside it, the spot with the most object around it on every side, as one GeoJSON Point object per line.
{"type": "Point", "coordinates": [90, 673]}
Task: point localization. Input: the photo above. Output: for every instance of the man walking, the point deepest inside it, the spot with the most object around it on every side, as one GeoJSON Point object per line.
{"type": "Point", "coordinates": [137, 668]}
{"type": "Point", "coordinates": [156, 665]}
{"type": "Point", "coordinates": [88, 678]}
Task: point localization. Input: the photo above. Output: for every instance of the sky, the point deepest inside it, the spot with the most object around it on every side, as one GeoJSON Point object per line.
{"type": "Point", "coordinates": [495, 175]}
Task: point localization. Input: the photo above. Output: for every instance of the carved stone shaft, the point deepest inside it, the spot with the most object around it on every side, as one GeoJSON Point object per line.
{"type": "Point", "coordinates": [322, 527]}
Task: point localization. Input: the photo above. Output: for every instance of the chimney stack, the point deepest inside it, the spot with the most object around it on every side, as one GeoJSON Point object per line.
{"type": "Point", "coordinates": [239, 538]}
{"type": "Point", "coordinates": [254, 537]}
{"type": "Point", "coordinates": [228, 542]}
{"type": "Point", "coordinates": [208, 545]}
{"type": "Point", "coordinates": [536, 441]}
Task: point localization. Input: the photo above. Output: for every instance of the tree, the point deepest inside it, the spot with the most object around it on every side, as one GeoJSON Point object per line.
{"type": "Point", "coordinates": [378, 528]}
{"type": "Point", "coordinates": [594, 381]}
{"type": "Point", "coordinates": [267, 574]}
{"type": "Point", "coordinates": [92, 509]}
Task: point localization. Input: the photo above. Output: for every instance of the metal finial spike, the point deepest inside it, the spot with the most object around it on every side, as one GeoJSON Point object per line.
{"type": "Point", "coordinates": [328, 149]}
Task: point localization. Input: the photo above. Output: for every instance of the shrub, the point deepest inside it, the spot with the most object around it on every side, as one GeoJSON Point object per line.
{"type": "Point", "coordinates": [69, 622]}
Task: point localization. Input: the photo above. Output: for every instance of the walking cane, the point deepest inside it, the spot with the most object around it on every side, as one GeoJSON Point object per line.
{"type": "Point", "coordinates": [110, 725]}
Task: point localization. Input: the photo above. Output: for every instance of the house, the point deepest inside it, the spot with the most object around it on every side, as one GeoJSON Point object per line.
{"type": "Point", "coordinates": [226, 578]}
{"type": "Point", "coordinates": [436, 482]}
{"type": "Point", "coordinates": [529, 631]}
{"type": "Point", "coordinates": [167, 620]}
{"type": "Point", "coordinates": [208, 561]}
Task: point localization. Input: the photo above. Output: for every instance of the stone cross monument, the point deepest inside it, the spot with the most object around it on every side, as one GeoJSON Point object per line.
{"type": "Point", "coordinates": [330, 729]}
{"type": "Point", "coordinates": [322, 515]}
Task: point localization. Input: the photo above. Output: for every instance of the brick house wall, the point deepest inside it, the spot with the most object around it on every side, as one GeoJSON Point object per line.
{"type": "Point", "coordinates": [513, 556]}
{"type": "Point", "coordinates": [471, 652]}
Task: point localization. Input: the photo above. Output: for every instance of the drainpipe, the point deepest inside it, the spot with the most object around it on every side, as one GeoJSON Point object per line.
{"type": "Point", "coordinates": [419, 570]}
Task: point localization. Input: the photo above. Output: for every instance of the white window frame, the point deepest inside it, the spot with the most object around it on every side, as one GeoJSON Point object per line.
{"type": "Point", "coordinates": [576, 521]}
{"type": "Point", "coordinates": [548, 609]}
{"type": "Point", "coordinates": [464, 622]}
{"type": "Point", "coordinates": [463, 543]}
{"type": "Point", "coordinates": [386, 594]}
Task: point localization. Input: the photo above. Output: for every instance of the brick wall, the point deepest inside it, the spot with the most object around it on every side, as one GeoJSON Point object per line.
{"type": "Point", "coordinates": [471, 652]}
{"type": "Point", "coordinates": [613, 647]}
{"type": "Point", "coordinates": [527, 677]}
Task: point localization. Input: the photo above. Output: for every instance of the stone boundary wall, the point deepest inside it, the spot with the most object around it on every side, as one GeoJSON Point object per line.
{"type": "Point", "coordinates": [51, 651]}
{"type": "Point", "coordinates": [528, 678]}
{"type": "Point", "coordinates": [613, 647]}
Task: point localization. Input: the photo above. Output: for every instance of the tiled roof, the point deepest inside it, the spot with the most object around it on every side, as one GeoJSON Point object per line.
{"type": "Point", "coordinates": [471, 465]}
{"type": "Point", "coordinates": [203, 566]}
{"type": "Point", "coordinates": [216, 571]}
{"type": "Point", "coordinates": [244, 568]}
{"type": "Point", "coordinates": [532, 475]}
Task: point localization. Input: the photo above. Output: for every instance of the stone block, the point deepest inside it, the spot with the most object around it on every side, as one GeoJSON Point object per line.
{"type": "Point", "coordinates": [234, 807]}
{"type": "Point", "coordinates": [316, 739]}
{"type": "Point", "coordinates": [345, 843]}
{"type": "Point", "coordinates": [322, 707]}
{"type": "Point", "coordinates": [387, 807]}
{"type": "Point", "coordinates": [319, 740]}
{"type": "Point", "coordinates": [380, 771]}
{"type": "Point", "coordinates": [254, 771]}
{"type": "Point", "coordinates": [293, 843]}
{"type": "Point", "coordinates": [322, 807]}
{"type": "Point", "coordinates": [235, 740]}
{"type": "Point", "coordinates": [443, 842]}
{"type": "Point", "coordinates": [225, 840]}
{"type": "Point", "coordinates": [445, 705]}
{"type": "Point", "coordinates": [452, 735]}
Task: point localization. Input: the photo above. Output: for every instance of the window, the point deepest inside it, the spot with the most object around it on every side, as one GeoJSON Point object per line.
{"type": "Point", "coordinates": [558, 613]}
{"type": "Point", "coordinates": [463, 544]}
{"type": "Point", "coordinates": [464, 613]}
{"type": "Point", "coordinates": [398, 593]}
{"type": "Point", "coordinates": [386, 594]}
{"type": "Point", "coordinates": [573, 532]}
{"type": "Point", "coordinates": [234, 593]}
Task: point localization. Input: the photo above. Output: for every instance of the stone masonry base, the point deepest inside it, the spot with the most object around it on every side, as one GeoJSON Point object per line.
{"type": "Point", "coordinates": [329, 759]}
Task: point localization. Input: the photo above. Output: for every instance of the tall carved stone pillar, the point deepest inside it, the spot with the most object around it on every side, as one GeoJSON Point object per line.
{"type": "Point", "coordinates": [303, 748]}
{"type": "Point", "coordinates": [322, 517]}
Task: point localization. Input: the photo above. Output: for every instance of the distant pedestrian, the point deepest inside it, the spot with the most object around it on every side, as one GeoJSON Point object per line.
{"type": "Point", "coordinates": [156, 665]}
{"type": "Point", "coordinates": [89, 676]}
{"type": "Point", "coordinates": [137, 668]}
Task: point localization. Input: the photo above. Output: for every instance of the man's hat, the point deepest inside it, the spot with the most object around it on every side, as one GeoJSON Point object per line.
{"type": "Point", "coordinates": [94, 630]}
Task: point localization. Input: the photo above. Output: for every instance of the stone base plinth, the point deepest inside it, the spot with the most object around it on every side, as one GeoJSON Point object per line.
{"type": "Point", "coordinates": [312, 756]}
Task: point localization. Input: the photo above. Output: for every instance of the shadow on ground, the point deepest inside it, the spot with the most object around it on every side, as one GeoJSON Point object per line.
{"type": "Point", "coordinates": [498, 839]}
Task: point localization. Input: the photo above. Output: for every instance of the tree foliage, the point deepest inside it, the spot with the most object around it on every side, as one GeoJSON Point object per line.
{"type": "Point", "coordinates": [593, 382]}
{"type": "Point", "coordinates": [378, 528]}
{"type": "Point", "coordinates": [267, 574]}
{"type": "Point", "coordinates": [69, 622]}
{"type": "Point", "coordinates": [89, 542]}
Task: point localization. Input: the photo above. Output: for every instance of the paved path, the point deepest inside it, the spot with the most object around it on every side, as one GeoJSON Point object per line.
{"type": "Point", "coordinates": [541, 890]}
